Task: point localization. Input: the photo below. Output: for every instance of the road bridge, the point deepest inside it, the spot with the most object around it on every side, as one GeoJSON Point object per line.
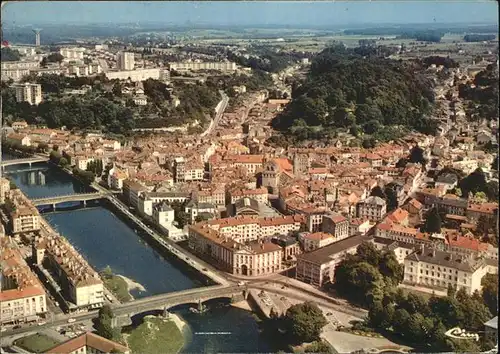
{"type": "Point", "coordinates": [81, 197]}
{"type": "Point", "coordinates": [26, 160]}
{"type": "Point", "coordinates": [124, 312]}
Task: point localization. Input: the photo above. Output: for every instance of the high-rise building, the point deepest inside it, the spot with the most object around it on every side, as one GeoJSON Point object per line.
{"type": "Point", "coordinates": [31, 93]}
{"type": "Point", "coordinates": [125, 61]}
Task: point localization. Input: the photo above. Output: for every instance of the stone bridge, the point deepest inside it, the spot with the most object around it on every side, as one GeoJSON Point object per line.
{"type": "Point", "coordinates": [82, 197]}
{"type": "Point", "coordinates": [27, 160]}
{"type": "Point", "coordinates": [124, 312]}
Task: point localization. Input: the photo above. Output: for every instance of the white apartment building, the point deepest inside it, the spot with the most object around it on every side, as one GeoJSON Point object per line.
{"type": "Point", "coordinates": [28, 51]}
{"type": "Point", "coordinates": [72, 53]}
{"type": "Point", "coordinates": [125, 61]}
{"type": "Point", "coordinates": [11, 65]}
{"type": "Point", "coordinates": [138, 74]}
{"type": "Point", "coordinates": [194, 66]}
{"type": "Point", "coordinates": [163, 215]}
{"type": "Point", "coordinates": [4, 189]}
{"type": "Point", "coordinates": [14, 74]}
{"type": "Point", "coordinates": [146, 201]}
{"type": "Point", "coordinates": [81, 162]}
{"type": "Point", "coordinates": [31, 93]}
{"type": "Point", "coordinates": [435, 269]}
{"type": "Point", "coordinates": [25, 219]}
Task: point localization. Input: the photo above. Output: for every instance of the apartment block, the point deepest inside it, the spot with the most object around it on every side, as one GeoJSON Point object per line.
{"type": "Point", "coordinates": [22, 298]}
{"type": "Point", "coordinates": [194, 66]}
{"type": "Point", "coordinates": [372, 208]}
{"type": "Point", "coordinates": [27, 92]}
{"type": "Point", "coordinates": [435, 269]}
{"type": "Point", "coordinates": [318, 267]}
{"type": "Point", "coordinates": [336, 225]}
{"type": "Point", "coordinates": [125, 61]}
{"type": "Point", "coordinates": [80, 283]}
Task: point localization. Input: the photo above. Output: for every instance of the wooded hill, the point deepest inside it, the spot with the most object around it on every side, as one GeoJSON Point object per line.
{"type": "Point", "coordinates": [346, 90]}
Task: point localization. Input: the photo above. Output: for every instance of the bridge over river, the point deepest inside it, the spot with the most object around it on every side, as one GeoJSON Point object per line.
{"type": "Point", "coordinates": [124, 312]}
{"type": "Point", "coordinates": [26, 160]}
{"type": "Point", "coordinates": [81, 197]}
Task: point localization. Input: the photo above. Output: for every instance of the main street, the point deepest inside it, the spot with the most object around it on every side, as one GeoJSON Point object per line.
{"type": "Point", "coordinates": [221, 107]}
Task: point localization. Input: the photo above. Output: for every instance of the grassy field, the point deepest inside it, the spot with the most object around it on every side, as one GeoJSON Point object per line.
{"type": "Point", "coordinates": [36, 343]}
{"type": "Point", "coordinates": [117, 285]}
{"type": "Point", "coordinates": [155, 335]}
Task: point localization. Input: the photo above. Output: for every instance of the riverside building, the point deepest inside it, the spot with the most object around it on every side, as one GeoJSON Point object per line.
{"type": "Point", "coordinates": [22, 298]}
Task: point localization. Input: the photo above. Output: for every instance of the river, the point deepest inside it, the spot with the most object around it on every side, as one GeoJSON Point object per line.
{"type": "Point", "coordinates": [105, 239]}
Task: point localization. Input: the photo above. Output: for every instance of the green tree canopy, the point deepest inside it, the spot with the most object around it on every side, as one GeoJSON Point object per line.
{"type": "Point", "coordinates": [433, 221]}
{"type": "Point", "coordinates": [305, 322]}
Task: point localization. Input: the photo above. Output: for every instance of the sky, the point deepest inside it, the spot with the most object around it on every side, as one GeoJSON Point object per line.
{"type": "Point", "coordinates": [254, 12]}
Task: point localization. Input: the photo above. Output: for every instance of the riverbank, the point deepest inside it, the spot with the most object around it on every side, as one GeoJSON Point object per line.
{"type": "Point", "coordinates": [131, 285]}
{"type": "Point", "coordinates": [244, 305]}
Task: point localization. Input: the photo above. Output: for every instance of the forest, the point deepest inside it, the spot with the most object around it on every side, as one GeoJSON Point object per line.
{"type": "Point", "coordinates": [369, 95]}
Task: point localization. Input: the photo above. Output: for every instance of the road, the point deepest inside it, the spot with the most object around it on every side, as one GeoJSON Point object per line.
{"type": "Point", "coordinates": [220, 111]}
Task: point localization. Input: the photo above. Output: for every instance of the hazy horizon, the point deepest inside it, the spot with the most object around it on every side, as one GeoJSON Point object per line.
{"type": "Point", "coordinates": [235, 13]}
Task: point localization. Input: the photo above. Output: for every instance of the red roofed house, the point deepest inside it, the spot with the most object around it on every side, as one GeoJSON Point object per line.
{"type": "Point", "coordinates": [88, 343]}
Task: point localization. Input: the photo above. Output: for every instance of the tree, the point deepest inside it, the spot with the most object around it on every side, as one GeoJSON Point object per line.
{"type": "Point", "coordinates": [402, 162]}
{"type": "Point", "coordinates": [400, 321]}
{"type": "Point", "coordinates": [55, 58]}
{"type": "Point", "coordinates": [63, 162]}
{"type": "Point", "coordinates": [103, 326]}
{"type": "Point", "coordinates": [417, 155]}
{"type": "Point", "coordinates": [55, 157]}
{"type": "Point", "coordinates": [389, 267]}
{"type": "Point", "coordinates": [9, 54]}
{"type": "Point", "coordinates": [377, 192]}
{"type": "Point", "coordinates": [490, 292]}
{"type": "Point", "coordinates": [368, 253]}
{"type": "Point", "coordinates": [433, 221]}
{"type": "Point", "coordinates": [305, 321]}
{"type": "Point", "coordinates": [415, 304]}
{"type": "Point", "coordinates": [42, 147]}
{"type": "Point", "coordinates": [319, 347]}
{"type": "Point", "coordinates": [391, 198]}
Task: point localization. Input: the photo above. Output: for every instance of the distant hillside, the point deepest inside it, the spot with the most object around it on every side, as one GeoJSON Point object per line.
{"type": "Point", "coordinates": [364, 94]}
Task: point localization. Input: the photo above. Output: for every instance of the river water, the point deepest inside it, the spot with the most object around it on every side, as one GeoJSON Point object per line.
{"type": "Point", "coordinates": [105, 239]}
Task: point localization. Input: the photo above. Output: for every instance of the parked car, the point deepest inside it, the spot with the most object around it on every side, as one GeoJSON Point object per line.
{"type": "Point", "coordinates": [71, 320]}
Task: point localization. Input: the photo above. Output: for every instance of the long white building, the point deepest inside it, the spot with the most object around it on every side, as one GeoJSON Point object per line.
{"type": "Point", "coordinates": [194, 66]}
